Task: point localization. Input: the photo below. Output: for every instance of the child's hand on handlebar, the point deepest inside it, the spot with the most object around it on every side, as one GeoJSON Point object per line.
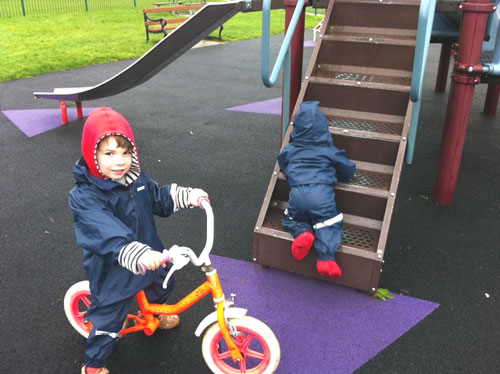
{"type": "Point", "coordinates": [152, 260]}
{"type": "Point", "coordinates": [195, 195]}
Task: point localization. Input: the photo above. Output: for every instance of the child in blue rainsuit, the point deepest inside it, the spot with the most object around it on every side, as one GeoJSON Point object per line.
{"type": "Point", "coordinates": [313, 165]}
{"type": "Point", "coordinates": [114, 204]}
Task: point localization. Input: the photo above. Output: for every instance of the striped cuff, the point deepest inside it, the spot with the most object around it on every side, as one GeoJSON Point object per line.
{"type": "Point", "coordinates": [129, 255]}
{"type": "Point", "coordinates": [180, 195]}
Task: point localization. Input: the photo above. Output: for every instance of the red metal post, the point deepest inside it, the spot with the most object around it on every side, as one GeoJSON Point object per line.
{"type": "Point", "coordinates": [444, 64]}
{"type": "Point", "coordinates": [79, 110]}
{"type": "Point", "coordinates": [297, 51]}
{"type": "Point", "coordinates": [64, 111]}
{"type": "Point", "coordinates": [492, 97]}
{"type": "Point", "coordinates": [463, 82]}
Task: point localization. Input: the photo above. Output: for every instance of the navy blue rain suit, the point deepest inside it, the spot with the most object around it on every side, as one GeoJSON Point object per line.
{"type": "Point", "coordinates": [108, 217]}
{"type": "Point", "coordinates": [313, 165]}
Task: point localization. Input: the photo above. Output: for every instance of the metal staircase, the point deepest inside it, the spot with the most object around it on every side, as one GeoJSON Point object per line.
{"type": "Point", "coordinates": [360, 72]}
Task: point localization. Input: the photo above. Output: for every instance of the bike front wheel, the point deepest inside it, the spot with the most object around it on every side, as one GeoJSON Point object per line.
{"type": "Point", "coordinates": [76, 303]}
{"type": "Point", "coordinates": [255, 340]}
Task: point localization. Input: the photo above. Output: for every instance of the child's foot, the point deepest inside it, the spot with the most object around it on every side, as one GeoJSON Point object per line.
{"type": "Point", "coordinates": [89, 370]}
{"type": "Point", "coordinates": [169, 322]}
{"type": "Point", "coordinates": [329, 269]}
{"type": "Point", "coordinates": [302, 245]}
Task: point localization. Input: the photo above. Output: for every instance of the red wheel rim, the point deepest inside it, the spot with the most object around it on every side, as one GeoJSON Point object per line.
{"type": "Point", "coordinates": [79, 306]}
{"type": "Point", "coordinates": [254, 348]}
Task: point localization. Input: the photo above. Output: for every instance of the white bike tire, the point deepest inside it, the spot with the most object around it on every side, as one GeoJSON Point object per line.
{"type": "Point", "coordinates": [250, 324]}
{"type": "Point", "coordinates": [74, 291]}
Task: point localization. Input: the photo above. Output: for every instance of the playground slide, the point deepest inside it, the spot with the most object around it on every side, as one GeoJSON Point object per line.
{"type": "Point", "coordinates": [201, 24]}
{"type": "Point", "coordinates": [360, 72]}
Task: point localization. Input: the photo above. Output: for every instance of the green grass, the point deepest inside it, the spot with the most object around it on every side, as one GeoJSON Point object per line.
{"type": "Point", "coordinates": [37, 45]}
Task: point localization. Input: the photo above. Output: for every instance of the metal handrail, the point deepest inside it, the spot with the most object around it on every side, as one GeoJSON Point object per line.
{"type": "Point", "coordinates": [424, 31]}
{"type": "Point", "coordinates": [425, 21]}
{"type": "Point", "coordinates": [284, 56]}
{"type": "Point", "coordinates": [493, 68]}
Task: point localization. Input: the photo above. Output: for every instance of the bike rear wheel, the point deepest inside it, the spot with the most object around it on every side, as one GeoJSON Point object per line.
{"type": "Point", "coordinates": [257, 343]}
{"type": "Point", "coordinates": [76, 303]}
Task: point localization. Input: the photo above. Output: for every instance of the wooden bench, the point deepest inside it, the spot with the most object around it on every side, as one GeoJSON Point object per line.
{"type": "Point", "coordinates": [162, 25]}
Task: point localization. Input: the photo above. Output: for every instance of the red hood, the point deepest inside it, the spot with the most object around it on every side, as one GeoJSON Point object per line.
{"type": "Point", "coordinates": [103, 122]}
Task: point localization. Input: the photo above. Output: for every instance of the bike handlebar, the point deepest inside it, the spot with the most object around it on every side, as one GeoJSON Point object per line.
{"type": "Point", "coordinates": [181, 256]}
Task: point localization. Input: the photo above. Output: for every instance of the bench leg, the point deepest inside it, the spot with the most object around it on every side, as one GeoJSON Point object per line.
{"type": "Point", "coordinates": [79, 111]}
{"type": "Point", "coordinates": [64, 111]}
{"type": "Point", "coordinates": [220, 32]}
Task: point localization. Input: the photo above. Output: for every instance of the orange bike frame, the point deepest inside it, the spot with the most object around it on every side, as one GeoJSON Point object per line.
{"type": "Point", "coordinates": [149, 323]}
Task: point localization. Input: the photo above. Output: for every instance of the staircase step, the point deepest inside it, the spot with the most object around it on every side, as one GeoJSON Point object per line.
{"type": "Point", "coordinates": [379, 14]}
{"type": "Point", "coordinates": [385, 2]}
{"type": "Point", "coordinates": [367, 97]}
{"type": "Point", "coordinates": [361, 235]}
{"type": "Point", "coordinates": [370, 179]}
{"type": "Point", "coordinates": [372, 32]}
{"type": "Point", "coordinates": [366, 54]}
{"type": "Point", "coordinates": [368, 39]}
{"type": "Point", "coordinates": [389, 77]}
{"type": "Point", "coordinates": [368, 182]}
{"type": "Point", "coordinates": [370, 122]}
{"type": "Point", "coordinates": [368, 82]}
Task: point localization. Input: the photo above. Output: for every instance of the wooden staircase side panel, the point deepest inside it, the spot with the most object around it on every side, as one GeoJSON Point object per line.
{"type": "Point", "coordinates": [398, 167]}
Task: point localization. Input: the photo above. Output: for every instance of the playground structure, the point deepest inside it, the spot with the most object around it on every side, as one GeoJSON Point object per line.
{"type": "Point", "coordinates": [366, 90]}
{"type": "Point", "coordinates": [360, 72]}
{"type": "Point", "coordinates": [367, 72]}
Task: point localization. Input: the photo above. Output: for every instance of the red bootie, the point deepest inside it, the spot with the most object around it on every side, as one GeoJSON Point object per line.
{"type": "Point", "coordinates": [302, 245]}
{"type": "Point", "coordinates": [329, 269]}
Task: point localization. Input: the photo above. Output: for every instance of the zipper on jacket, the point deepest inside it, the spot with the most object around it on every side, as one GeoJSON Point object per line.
{"type": "Point", "coordinates": [131, 191]}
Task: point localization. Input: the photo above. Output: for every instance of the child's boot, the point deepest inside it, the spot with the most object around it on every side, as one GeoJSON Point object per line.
{"type": "Point", "coordinates": [89, 370]}
{"type": "Point", "coordinates": [329, 269]}
{"type": "Point", "coordinates": [169, 322]}
{"type": "Point", "coordinates": [302, 245]}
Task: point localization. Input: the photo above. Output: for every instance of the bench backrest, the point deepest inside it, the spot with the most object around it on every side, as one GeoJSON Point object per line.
{"type": "Point", "coordinates": [174, 8]}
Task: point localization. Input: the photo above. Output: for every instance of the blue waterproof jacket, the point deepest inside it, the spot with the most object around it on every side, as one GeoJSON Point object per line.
{"type": "Point", "coordinates": [108, 216]}
{"type": "Point", "coordinates": [311, 157]}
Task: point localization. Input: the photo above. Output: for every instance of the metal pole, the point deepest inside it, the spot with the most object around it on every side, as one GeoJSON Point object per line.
{"type": "Point", "coordinates": [444, 65]}
{"type": "Point", "coordinates": [492, 97]}
{"type": "Point", "coordinates": [463, 82]}
{"type": "Point", "coordinates": [297, 53]}
{"type": "Point", "coordinates": [22, 7]}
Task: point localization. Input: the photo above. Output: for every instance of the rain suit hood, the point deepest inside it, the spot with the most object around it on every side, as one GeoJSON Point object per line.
{"type": "Point", "coordinates": [311, 157]}
{"type": "Point", "coordinates": [104, 122]}
{"type": "Point", "coordinates": [310, 126]}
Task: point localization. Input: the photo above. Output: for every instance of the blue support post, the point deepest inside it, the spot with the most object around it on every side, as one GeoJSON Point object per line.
{"type": "Point", "coordinates": [425, 21]}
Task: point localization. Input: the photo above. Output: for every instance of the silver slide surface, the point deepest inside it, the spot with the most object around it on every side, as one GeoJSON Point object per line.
{"type": "Point", "coordinates": [201, 24]}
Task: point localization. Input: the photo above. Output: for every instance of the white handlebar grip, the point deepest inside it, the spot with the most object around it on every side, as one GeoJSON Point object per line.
{"type": "Point", "coordinates": [203, 201]}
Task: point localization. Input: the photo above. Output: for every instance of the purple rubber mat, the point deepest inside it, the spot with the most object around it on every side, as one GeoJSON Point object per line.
{"type": "Point", "coordinates": [272, 106]}
{"type": "Point", "coordinates": [309, 43]}
{"type": "Point", "coordinates": [322, 328]}
{"type": "Point", "coordinates": [36, 121]}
